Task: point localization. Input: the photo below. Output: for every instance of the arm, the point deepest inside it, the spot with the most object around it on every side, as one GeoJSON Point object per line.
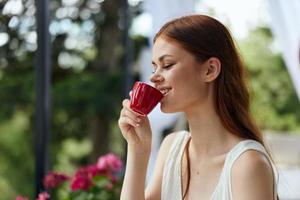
{"type": "Point", "coordinates": [133, 185]}
{"type": "Point", "coordinates": [252, 177]}
{"type": "Point", "coordinates": [135, 174]}
{"type": "Point", "coordinates": [153, 191]}
{"type": "Point", "coordinates": [137, 132]}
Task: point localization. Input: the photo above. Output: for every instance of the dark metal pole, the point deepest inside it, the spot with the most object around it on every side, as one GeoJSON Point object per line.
{"type": "Point", "coordinates": [43, 76]}
{"type": "Point", "coordinates": [128, 58]}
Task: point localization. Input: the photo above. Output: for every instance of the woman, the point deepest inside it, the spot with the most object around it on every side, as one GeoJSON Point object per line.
{"type": "Point", "coordinates": [198, 69]}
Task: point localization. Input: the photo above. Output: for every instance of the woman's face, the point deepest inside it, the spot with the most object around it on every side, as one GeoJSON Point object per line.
{"type": "Point", "coordinates": [178, 75]}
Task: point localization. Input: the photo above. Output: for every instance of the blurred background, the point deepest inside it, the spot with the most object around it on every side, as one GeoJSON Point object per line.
{"type": "Point", "coordinates": [100, 47]}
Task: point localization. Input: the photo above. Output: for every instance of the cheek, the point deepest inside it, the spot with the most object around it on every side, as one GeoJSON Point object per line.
{"type": "Point", "coordinates": [188, 90]}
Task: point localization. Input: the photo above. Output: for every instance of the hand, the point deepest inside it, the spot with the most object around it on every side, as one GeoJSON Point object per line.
{"type": "Point", "coordinates": [135, 129]}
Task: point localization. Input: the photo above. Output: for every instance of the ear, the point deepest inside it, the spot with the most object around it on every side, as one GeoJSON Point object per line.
{"type": "Point", "coordinates": [213, 69]}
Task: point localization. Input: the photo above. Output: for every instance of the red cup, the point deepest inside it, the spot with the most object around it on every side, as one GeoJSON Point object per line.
{"type": "Point", "coordinates": [144, 98]}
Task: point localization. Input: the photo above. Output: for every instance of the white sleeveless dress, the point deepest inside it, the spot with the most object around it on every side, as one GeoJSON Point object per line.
{"type": "Point", "coordinates": [171, 182]}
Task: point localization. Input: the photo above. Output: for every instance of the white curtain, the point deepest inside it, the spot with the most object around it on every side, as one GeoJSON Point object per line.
{"type": "Point", "coordinates": [285, 25]}
{"type": "Point", "coordinates": [160, 11]}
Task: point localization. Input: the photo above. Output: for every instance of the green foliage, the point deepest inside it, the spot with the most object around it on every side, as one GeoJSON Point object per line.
{"type": "Point", "coordinates": [16, 157]}
{"type": "Point", "coordinates": [275, 105]}
{"type": "Point", "coordinates": [16, 93]}
{"type": "Point", "coordinates": [70, 152]}
{"type": "Point", "coordinates": [86, 83]}
{"type": "Point", "coordinates": [79, 97]}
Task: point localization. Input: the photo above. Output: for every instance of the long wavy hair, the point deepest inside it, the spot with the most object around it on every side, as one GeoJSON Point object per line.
{"type": "Point", "coordinates": [205, 37]}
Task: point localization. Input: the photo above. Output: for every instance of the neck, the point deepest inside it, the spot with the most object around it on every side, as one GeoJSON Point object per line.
{"type": "Point", "coordinates": [209, 137]}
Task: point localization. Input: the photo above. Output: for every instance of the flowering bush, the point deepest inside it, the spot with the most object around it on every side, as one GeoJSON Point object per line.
{"type": "Point", "coordinates": [100, 181]}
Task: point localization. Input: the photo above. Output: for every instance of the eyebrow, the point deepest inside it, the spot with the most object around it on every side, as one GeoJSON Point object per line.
{"type": "Point", "coordinates": [162, 57]}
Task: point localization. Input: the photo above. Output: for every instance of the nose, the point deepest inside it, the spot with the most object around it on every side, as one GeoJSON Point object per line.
{"type": "Point", "coordinates": [156, 77]}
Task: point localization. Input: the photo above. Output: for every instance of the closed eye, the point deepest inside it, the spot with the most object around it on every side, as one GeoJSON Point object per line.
{"type": "Point", "coordinates": [168, 65]}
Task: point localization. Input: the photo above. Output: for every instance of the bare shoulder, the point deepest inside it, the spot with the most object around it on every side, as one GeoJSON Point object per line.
{"type": "Point", "coordinates": [252, 161]}
{"type": "Point", "coordinates": [153, 191]}
{"type": "Point", "coordinates": [252, 177]}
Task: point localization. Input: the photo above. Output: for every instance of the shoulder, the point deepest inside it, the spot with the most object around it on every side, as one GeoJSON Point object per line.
{"type": "Point", "coordinates": [252, 176]}
{"type": "Point", "coordinates": [252, 160]}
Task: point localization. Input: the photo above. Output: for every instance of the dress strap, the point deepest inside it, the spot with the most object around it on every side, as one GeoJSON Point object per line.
{"type": "Point", "coordinates": [238, 150]}
{"type": "Point", "coordinates": [171, 182]}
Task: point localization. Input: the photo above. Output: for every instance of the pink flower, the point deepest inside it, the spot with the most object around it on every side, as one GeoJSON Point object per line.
{"type": "Point", "coordinates": [92, 170]}
{"type": "Point", "coordinates": [83, 178]}
{"type": "Point", "coordinates": [21, 198]}
{"type": "Point", "coordinates": [54, 179]}
{"type": "Point", "coordinates": [81, 183]}
{"type": "Point", "coordinates": [43, 196]}
{"type": "Point", "coordinates": [109, 163]}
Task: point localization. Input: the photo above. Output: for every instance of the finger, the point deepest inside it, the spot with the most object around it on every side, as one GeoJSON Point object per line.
{"type": "Point", "coordinates": [125, 121]}
{"type": "Point", "coordinates": [130, 94]}
{"type": "Point", "coordinates": [131, 115]}
{"type": "Point", "coordinates": [126, 103]}
{"type": "Point", "coordinates": [127, 113]}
